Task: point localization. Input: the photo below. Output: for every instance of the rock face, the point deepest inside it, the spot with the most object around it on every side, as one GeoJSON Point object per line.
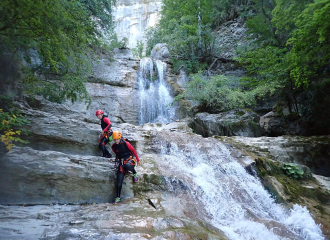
{"type": "Point", "coordinates": [113, 88]}
{"type": "Point", "coordinates": [281, 121]}
{"type": "Point", "coordinates": [29, 176]}
{"type": "Point", "coordinates": [132, 17]}
{"type": "Point", "coordinates": [313, 152]}
{"type": "Point", "coordinates": [273, 125]}
{"type": "Point", "coordinates": [159, 206]}
{"type": "Point", "coordinates": [176, 196]}
{"type": "Point", "coordinates": [229, 37]}
{"type": "Point", "coordinates": [232, 123]}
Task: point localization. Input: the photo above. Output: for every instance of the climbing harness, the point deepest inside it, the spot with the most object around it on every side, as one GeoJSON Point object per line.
{"type": "Point", "coordinates": [131, 159]}
{"type": "Point", "coordinates": [106, 134]}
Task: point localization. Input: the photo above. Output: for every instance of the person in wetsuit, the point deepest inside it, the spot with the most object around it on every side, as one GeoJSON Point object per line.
{"type": "Point", "coordinates": [105, 134]}
{"type": "Point", "coordinates": [124, 151]}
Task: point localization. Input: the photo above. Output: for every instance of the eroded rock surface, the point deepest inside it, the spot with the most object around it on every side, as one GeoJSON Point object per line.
{"type": "Point", "coordinates": [231, 123]}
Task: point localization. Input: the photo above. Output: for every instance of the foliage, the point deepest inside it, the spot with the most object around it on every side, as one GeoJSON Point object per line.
{"type": "Point", "coordinates": [310, 54]}
{"type": "Point", "coordinates": [124, 42]}
{"type": "Point", "coordinates": [54, 37]}
{"type": "Point", "coordinates": [216, 93]}
{"type": "Point", "coordinates": [110, 41]}
{"type": "Point", "coordinates": [101, 10]}
{"type": "Point", "coordinates": [68, 86]}
{"type": "Point", "coordinates": [187, 29]}
{"type": "Point", "coordinates": [293, 170]}
{"type": "Point", "coordinates": [138, 51]}
{"type": "Point", "coordinates": [224, 10]}
{"type": "Point", "coordinates": [290, 53]}
{"type": "Point", "coordinates": [12, 123]}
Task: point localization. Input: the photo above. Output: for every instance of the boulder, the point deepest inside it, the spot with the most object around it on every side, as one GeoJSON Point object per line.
{"type": "Point", "coordinates": [160, 52]}
{"type": "Point", "coordinates": [125, 53]}
{"type": "Point", "coordinates": [313, 152]}
{"type": "Point", "coordinates": [29, 176]}
{"type": "Point", "coordinates": [280, 121]}
{"type": "Point", "coordinates": [231, 123]}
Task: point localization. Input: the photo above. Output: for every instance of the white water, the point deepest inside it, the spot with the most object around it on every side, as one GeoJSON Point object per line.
{"type": "Point", "coordinates": [235, 200]}
{"type": "Point", "coordinates": [154, 93]}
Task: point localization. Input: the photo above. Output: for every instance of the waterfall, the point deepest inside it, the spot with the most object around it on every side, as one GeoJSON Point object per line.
{"type": "Point", "coordinates": [235, 201]}
{"type": "Point", "coordinates": [154, 93]}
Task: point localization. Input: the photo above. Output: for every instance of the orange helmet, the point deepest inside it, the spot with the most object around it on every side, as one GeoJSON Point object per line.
{"type": "Point", "coordinates": [116, 135]}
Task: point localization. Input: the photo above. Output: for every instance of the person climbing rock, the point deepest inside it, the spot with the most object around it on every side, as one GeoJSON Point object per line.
{"type": "Point", "coordinates": [106, 134]}
{"type": "Point", "coordinates": [124, 151]}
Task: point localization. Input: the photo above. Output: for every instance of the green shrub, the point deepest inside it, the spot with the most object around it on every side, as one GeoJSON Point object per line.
{"type": "Point", "coordinates": [293, 170]}
{"type": "Point", "coordinates": [217, 93]}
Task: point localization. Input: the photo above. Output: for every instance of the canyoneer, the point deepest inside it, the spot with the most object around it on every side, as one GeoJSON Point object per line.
{"type": "Point", "coordinates": [106, 134]}
{"type": "Point", "coordinates": [124, 156]}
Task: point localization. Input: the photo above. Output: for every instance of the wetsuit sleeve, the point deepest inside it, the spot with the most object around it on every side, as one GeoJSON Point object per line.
{"type": "Point", "coordinates": [107, 121]}
{"type": "Point", "coordinates": [130, 147]}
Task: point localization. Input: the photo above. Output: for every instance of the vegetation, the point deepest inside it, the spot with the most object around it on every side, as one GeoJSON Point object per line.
{"type": "Point", "coordinates": [55, 39]}
{"type": "Point", "coordinates": [11, 123]}
{"type": "Point", "coordinates": [291, 53]}
{"type": "Point", "coordinates": [216, 94]}
{"type": "Point", "coordinates": [138, 51]}
{"type": "Point", "coordinates": [288, 54]}
{"type": "Point", "coordinates": [293, 170]}
{"type": "Point", "coordinates": [186, 26]}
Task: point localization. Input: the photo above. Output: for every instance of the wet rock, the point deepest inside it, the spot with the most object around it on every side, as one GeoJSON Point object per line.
{"type": "Point", "coordinates": [131, 219]}
{"type": "Point", "coordinates": [312, 152]}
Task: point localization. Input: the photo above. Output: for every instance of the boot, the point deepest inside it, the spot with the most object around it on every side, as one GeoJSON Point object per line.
{"type": "Point", "coordinates": [135, 177]}
{"type": "Point", "coordinates": [117, 200]}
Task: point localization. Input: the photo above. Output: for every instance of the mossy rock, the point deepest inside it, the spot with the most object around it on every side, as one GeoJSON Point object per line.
{"type": "Point", "coordinates": [294, 188]}
{"type": "Point", "coordinates": [149, 183]}
{"type": "Point", "coordinates": [239, 113]}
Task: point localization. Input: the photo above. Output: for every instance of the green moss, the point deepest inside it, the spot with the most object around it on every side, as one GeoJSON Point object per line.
{"type": "Point", "coordinates": [154, 179]}
{"type": "Point", "coordinates": [263, 172]}
{"type": "Point", "coordinates": [149, 183]}
{"type": "Point", "coordinates": [320, 208]}
{"type": "Point", "coordinates": [239, 113]}
{"type": "Point", "coordinates": [292, 187]}
{"type": "Point", "coordinates": [265, 165]}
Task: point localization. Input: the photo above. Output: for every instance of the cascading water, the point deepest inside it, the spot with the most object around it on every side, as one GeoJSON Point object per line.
{"type": "Point", "coordinates": [236, 201]}
{"type": "Point", "coordinates": [154, 93]}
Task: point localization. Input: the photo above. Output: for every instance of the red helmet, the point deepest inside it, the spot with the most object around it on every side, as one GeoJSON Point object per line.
{"type": "Point", "coordinates": [98, 112]}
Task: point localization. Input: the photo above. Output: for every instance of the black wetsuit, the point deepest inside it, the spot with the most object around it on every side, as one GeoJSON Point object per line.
{"type": "Point", "coordinates": [106, 127]}
{"type": "Point", "coordinates": [124, 150]}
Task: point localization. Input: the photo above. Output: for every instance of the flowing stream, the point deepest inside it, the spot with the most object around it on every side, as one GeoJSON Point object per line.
{"type": "Point", "coordinates": [235, 200]}
{"type": "Point", "coordinates": [154, 93]}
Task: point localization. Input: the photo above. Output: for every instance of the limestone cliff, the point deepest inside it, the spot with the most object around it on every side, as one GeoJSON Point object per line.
{"type": "Point", "coordinates": [132, 17]}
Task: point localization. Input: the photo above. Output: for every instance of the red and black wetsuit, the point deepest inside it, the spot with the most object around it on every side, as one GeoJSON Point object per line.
{"type": "Point", "coordinates": [124, 151]}
{"type": "Point", "coordinates": [106, 127]}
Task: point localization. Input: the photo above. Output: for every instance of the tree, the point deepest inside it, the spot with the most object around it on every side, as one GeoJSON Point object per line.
{"type": "Point", "coordinates": [310, 54]}
{"type": "Point", "coordinates": [54, 37]}
{"type": "Point", "coordinates": [186, 26]}
{"type": "Point", "coordinates": [291, 55]}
